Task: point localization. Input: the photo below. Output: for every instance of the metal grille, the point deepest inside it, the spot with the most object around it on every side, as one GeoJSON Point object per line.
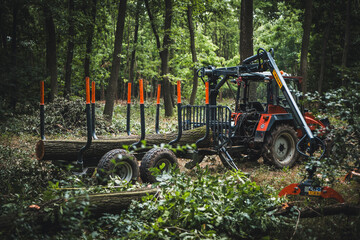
{"type": "Point", "coordinates": [220, 124]}
{"type": "Point", "coordinates": [219, 121]}
{"type": "Point", "coordinates": [193, 116]}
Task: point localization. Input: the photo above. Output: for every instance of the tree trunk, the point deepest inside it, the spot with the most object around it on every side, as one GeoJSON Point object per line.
{"type": "Point", "coordinates": [323, 57]}
{"type": "Point", "coordinates": [305, 44]}
{"type": "Point", "coordinates": [346, 41]}
{"type": "Point", "coordinates": [68, 150]}
{"type": "Point", "coordinates": [193, 53]}
{"type": "Point", "coordinates": [51, 58]}
{"type": "Point", "coordinates": [246, 38]}
{"type": "Point", "coordinates": [164, 52]}
{"type": "Point", "coordinates": [112, 87]}
{"type": "Point", "coordinates": [99, 204]}
{"type": "Point", "coordinates": [133, 53]}
{"type": "Point", "coordinates": [90, 35]}
{"type": "Point", "coordinates": [14, 79]}
{"type": "Point", "coordinates": [70, 51]}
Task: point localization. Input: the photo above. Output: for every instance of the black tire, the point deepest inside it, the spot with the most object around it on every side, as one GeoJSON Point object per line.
{"type": "Point", "coordinates": [153, 159]}
{"type": "Point", "coordinates": [280, 146]}
{"type": "Point", "coordinates": [126, 166]}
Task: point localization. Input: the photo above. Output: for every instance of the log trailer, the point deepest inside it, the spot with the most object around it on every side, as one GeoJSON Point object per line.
{"type": "Point", "coordinates": [271, 129]}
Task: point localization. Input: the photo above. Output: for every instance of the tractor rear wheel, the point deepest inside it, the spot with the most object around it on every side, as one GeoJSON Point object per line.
{"type": "Point", "coordinates": [154, 159]}
{"type": "Point", "coordinates": [280, 146]}
{"type": "Point", "coordinates": [118, 162]}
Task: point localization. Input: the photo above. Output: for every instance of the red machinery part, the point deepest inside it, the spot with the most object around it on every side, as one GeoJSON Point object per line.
{"type": "Point", "coordinates": [326, 192]}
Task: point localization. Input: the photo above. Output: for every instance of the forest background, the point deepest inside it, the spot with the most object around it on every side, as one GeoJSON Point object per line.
{"type": "Point", "coordinates": [115, 42]}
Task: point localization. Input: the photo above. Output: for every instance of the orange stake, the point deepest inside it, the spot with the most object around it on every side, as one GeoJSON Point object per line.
{"type": "Point", "coordinates": [93, 92]}
{"type": "Point", "coordinates": [179, 91]}
{"type": "Point", "coordinates": [158, 93]}
{"type": "Point", "coordinates": [42, 101]}
{"type": "Point", "coordinates": [207, 93]}
{"type": "Point", "coordinates": [141, 91]}
{"type": "Point", "coordinates": [129, 93]}
{"type": "Point", "coordinates": [87, 90]}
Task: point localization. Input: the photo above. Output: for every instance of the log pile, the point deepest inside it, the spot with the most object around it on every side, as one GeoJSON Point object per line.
{"type": "Point", "coordinates": [67, 150]}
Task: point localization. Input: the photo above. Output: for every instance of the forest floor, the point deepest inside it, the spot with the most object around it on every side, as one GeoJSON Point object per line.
{"type": "Point", "coordinates": [263, 174]}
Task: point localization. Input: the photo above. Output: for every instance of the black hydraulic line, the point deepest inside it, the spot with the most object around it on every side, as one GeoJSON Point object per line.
{"type": "Point", "coordinates": [207, 124]}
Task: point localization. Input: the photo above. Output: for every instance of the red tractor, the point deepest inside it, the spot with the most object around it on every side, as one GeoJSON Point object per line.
{"type": "Point", "coordinates": [270, 127]}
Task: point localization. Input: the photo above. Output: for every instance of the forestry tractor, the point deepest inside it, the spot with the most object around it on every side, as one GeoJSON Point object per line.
{"type": "Point", "coordinates": [273, 127]}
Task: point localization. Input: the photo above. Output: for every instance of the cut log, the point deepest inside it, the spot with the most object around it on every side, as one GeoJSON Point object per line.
{"type": "Point", "coordinates": [66, 150]}
{"type": "Point", "coordinates": [98, 204]}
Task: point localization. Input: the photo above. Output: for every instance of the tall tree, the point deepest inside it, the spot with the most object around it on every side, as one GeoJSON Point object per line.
{"type": "Point", "coordinates": [305, 43]}
{"type": "Point", "coordinates": [346, 40]}
{"type": "Point", "coordinates": [51, 58]}
{"type": "Point", "coordinates": [90, 36]}
{"type": "Point", "coordinates": [193, 52]}
{"type": "Point", "coordinates": [70, 50]}
{"type": "Point", "coordinates": [133, 52]}
{"type": "Point", "coordinates": [14, 88]}
{"type": "Point", "coordinates": [112, 86]}
{"type": "Point", "coordinates": [164, 51]}
{"type": "Point", "coordinates": [246, 37]}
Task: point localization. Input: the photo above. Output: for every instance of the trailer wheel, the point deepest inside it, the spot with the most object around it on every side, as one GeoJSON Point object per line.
{"type": "Point", "coordinates": [280, 146]}
{"type": "Point", "coordinates": [154, 159]}
{"type": "Point", "coordinates": [125, 166]}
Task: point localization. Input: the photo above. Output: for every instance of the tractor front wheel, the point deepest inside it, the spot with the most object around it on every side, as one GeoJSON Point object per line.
{"type": "Point", "coordinates": [280, 146]}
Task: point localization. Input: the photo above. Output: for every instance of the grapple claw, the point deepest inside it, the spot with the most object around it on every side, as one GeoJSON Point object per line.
{"type": "Point", "coordinates": [328, 192]}
{"type": "Point", "coordinates": [292, 189]}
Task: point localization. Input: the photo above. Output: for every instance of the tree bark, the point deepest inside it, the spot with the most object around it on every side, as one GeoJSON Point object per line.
{"type": "Point", "coordinates": [112, 87]}
{"type": "Point", "coordinates": [70, 51]}
{"type": "Point", "coordinates": [51, 58]}
{"type": "Point", "coordinates": [305, 44]}
{"type": "Point", "coordinates": [13, 89]}
{"type": "Point", "coordinates": [90, 36]}
{"type": "Point", "coordinates": [133, 53]}
{"type": "Point", "coordinates": [323, 57]}
{"type": "Point", "coordinates": [193, 53]}
{"type": "Point", "coordinates": [164, 52]}
{"type": "Point", "coordinates": [68, 150]}
{"type": "Point", "coordinates": [99, 204]}
{"type": "Point", "coordinates": [346, 41]}
{"type": "Point", "coordinates": [246, 38]}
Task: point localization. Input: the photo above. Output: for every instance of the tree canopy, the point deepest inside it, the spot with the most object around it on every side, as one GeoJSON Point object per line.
{"type": "Point", "coordinates": [62, 41]}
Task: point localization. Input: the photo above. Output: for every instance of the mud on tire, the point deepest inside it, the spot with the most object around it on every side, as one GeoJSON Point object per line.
{"type": "Point", "coordinates": [154, 158]}
{"type": "Point", "coordinates": [280, 146]}
{"type": "Point", "coordinates": [126, 166]}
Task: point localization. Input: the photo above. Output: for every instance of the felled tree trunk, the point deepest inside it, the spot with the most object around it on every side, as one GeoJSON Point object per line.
{"type": "Point", "coordinates": [98, 204]}
{"type": "Point", "coordinates": [68, 150]}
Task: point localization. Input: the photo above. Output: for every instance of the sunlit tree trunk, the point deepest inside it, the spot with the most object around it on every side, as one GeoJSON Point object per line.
{"type": "Point", "coordinates": [193, 54]}
{"type": "Point", "coordinates": [112, 86]}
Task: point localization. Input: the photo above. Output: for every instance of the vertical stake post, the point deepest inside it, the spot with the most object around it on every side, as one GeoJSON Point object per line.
{"type": "Point", "coordinates": [157, 109]}
{"type": "Point", "coordinates": [88, 121]}
{"type": "Point", "coordinates": [179, 114]}
{"type": "Point", "coordinates": [142, 114]}
{"type": "Point", "coordinates": [128, 110]}
{"type": "Point", "coordinates": [42, 111]}
{"type": "Point", "coordinates": [207, 106]}
{"type": "Point", "coordinates": [93, 109]}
